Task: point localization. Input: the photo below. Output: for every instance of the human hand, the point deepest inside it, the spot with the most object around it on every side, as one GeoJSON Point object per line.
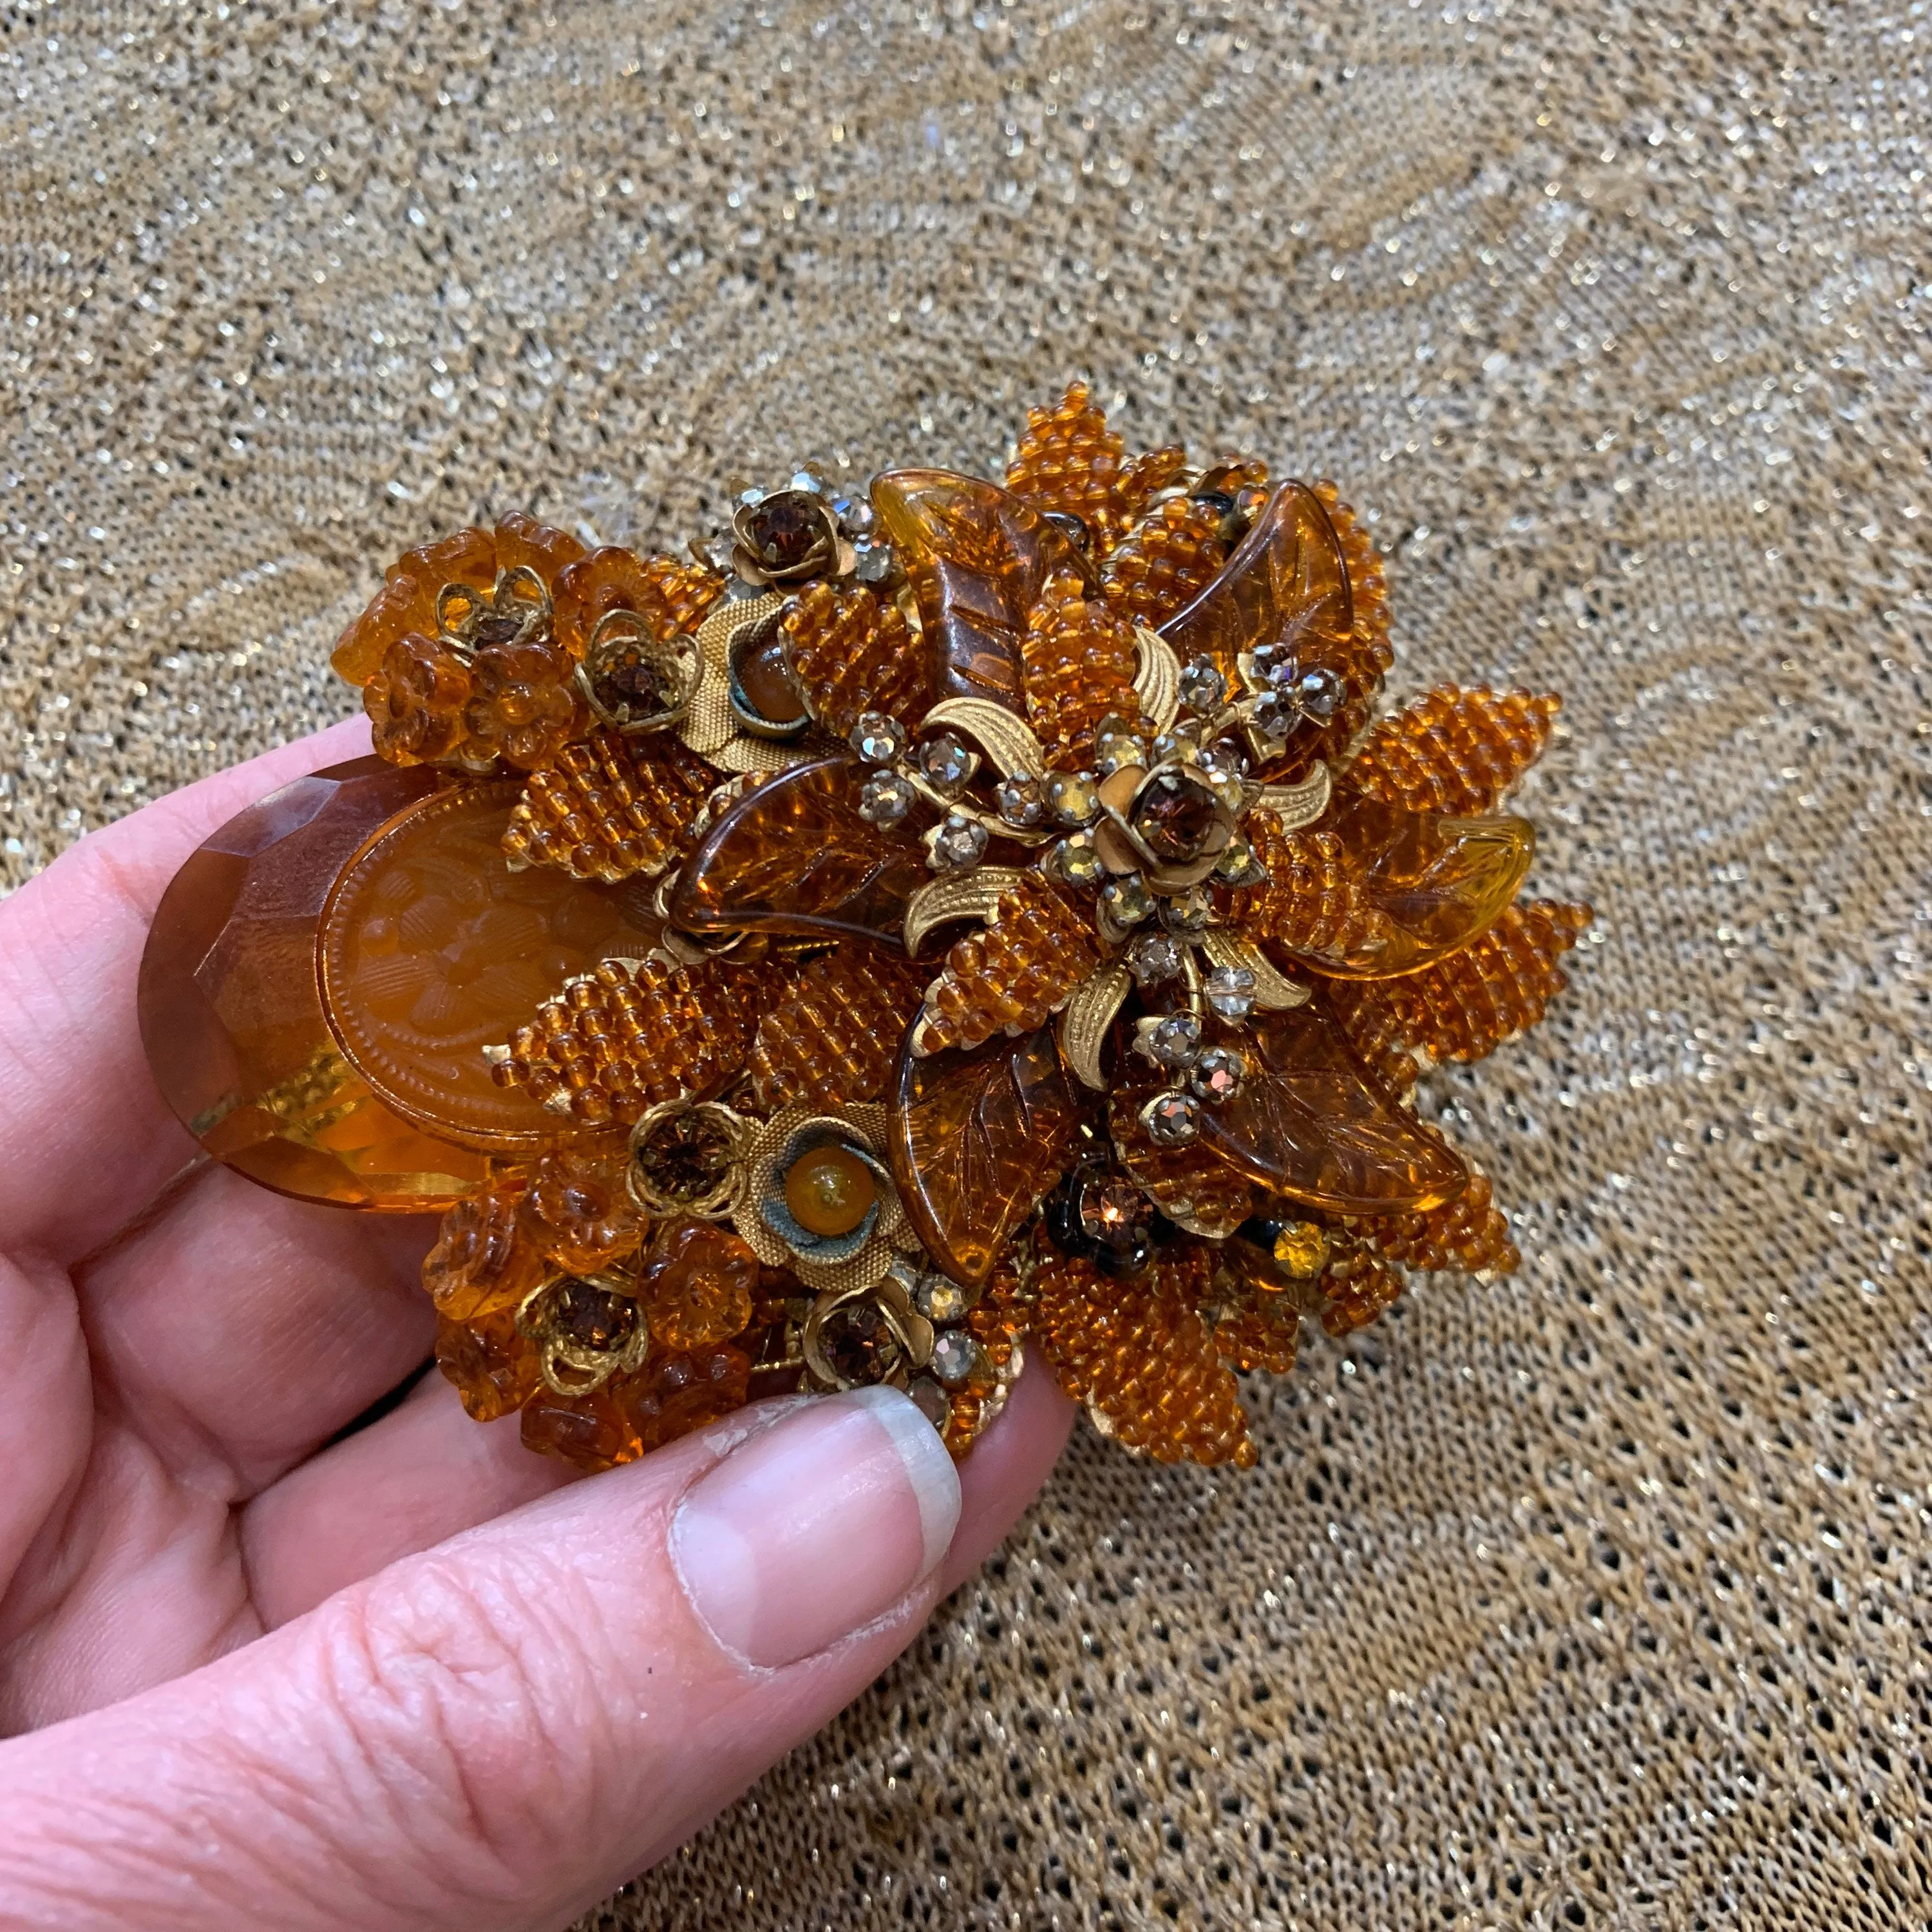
{"type": "Point", "coordinates": [410, 1679]}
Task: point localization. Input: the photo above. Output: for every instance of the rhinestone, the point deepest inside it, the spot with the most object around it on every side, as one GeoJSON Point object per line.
{"type": "Point", "coordinates": [1202, 686]}
{"type": "Point", "coordinates": [718, 552]}
{"type": "Point", "coordinates": [1173, 813]}
{"type": "Point", "coordinates": [874, 564]}
{"type": "Point", "coordinates": [784, 531]}
{"type": "Point", "coordinates": [1073, 798]}
{"type": "Point", "coordinates": [1021, 801]}
{"type": "Point", "coordinates": [751, 495]}
{"type": "Point", "coordinates": [1188, 911]}
{"type": "Point", "coordinates": [885, 799]}
{"type": "Point", "coordinates": [591, 1317]}
{"type": "Point", "coordinates": [685, 1157]}
{"type": "Point", "coordinates": [855, 514]}
{"type": "Point", "coordinates": [1318, 694]}
{"type": "Point", "coordinates": [956, 843]}
{"type": "Point", "coordinates": [1076, 862]}
{"type": "Point", "coordinates": [939, 1298]}
{"type": "Point", "coordinates": [931, 1402]}
{"type": "Point", "coordinates": [878, 738]}
{"type": "Point", "coordinates": [1182, 743]}
{"type": "Point", "coordinates": [1238, 866]}
{"type": "Point", "coordinates": [1273, 716]}
{"type": "Point", "coordinates": [955, 1355]}
{"type": "Point", "coordinates": [946, 763]}
{"type": "Point", "coordinates": [1277, 666]}
{"type": "Point", "coordinates": [1153, 957]}
{"type": "Point", "coordinates": [1171, 1119]}
{"type": "Point", "coordinates": [1218, 1074]}
{"type": "Point", "coordinates": [740, 590]}
{"type": "Point", "coordinates": [1223, 761]}
{"type": "Point", "coordinates": [1302, 1248]}
{"type": "Point", "coordinates": [859, 1344]}
{"type": "Point", "coordinates": [1173, 1040]}
{"type": "Point", "coordinates": [1231, 991]}
{"type": "Point", "coordinates": [1126, 899]}
{"type": "Point", "coordinates": [1116, 744]}
{"type": "Point", "coordinates": [804, 479]}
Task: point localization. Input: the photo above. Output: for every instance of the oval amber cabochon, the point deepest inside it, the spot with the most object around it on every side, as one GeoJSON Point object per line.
{"type": "Point", "coordinates": [231, 1010]}
{"type": "Point", "coordinates": [432, 948]}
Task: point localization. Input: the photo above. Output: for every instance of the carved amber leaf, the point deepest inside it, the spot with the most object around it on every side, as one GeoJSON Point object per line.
{"type": "Point", "coordinates": [977, 558]}
{"type": "Point", "coordinates": [1312, 1122]}
{"type": "Point", "coordinates": [794, 856]}
{"type": "Point", "coordinates": [978, 1139]}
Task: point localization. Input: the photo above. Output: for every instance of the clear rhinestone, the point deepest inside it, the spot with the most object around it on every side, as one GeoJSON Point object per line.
{"type": "Point", "coordinates": [1171, 1119]}
{"type": "Point", "coordinates": [1076, 862]}
{"type": "Point", "coordinates": [940, 1299]}
{"type": "Point", "coordinates": [1073, 798]}
{"type": "Point", "coordinates": [885, 799]}
{"type": "Point", "coordinates": [878, 738]}
{"type": "Point", "coordinates": [1277, 666]}
{"type": "Point", "coordinates": [1237, 865]}
{"type": "Point", "coordinates": [1273, 716]}
{"type": "Point", "coordinates": [955, 1355]}
{"type": "Point", "coordinates": [1188, 911]}
{"type": "Point", "coordinates": [751, 495]}
{"type": "Point", "coordinates": [1202, 686]}
{"type": "Point", "coordinates": [946, 763]}
{"type": "Point", "coordinates": [1318, 695]}
{"type": "Point", "coordinates": [855, 514]}
{"type": "Point", "coordinates": [956, 843]}
{"type": "Point", "coordinates": [1021, 801]}
{"type": "Point", "coordinates": [1153, 957]}
{"type": "Point", "coordinates": [1223, 761]}
{"type": "Point", "coordinates": [1218, 1074]}
{"type": "Point", "coordinates": [930, 1399]}
{"type": "Point", "coordinates": [1231, 991]}
{"type": "Point", "coordinates": [717, 551]}
{"type": "Point", "coordinates": [740, 590]}
{"type": "Point", "coordinates": [874, 564]}
{"type": "Point", "coordinates": [808, 480]}
{"type": "Point", "coordinates": [1126, 899]}
{"type": "Point", "coordinates": [1172, 1040]}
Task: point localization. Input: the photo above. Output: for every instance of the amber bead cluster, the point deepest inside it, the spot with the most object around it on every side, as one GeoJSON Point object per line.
{"type": "Point", "coordinates": [926, 921]}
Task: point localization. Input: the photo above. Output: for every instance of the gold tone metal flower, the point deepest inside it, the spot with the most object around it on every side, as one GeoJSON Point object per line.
{"type": "Point", "coordinates": [776, 1213]}
{"type": "Point", "coordinates": [586, 1329]}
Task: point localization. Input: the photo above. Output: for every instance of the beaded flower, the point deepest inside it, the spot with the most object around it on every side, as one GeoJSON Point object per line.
{"type": "Point", "coordinates": [941, 919]}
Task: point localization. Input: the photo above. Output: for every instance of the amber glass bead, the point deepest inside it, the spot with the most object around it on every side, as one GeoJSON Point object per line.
{"type": "Point", "coordinates": [1190, 1184]}
{"type": "Point", "coordinates": [1470, 1235]}
{"type": "Point", "coordinates": [232, 1020]}
{"type": "Point", "coordinates": [1361, 1288]}
{"type": "Point", "coordinates": [1257, 1324]}
{"type": "Point", "coordinates": [523, 705]}
{"type": "Point", "coordinates": [1069, 461]}
{"type": "Point", "coordinates": [418, 702]}
{"type": "Point", "coordinates": [578, 1212]}
{"type": "Point", "coordinates": [1168, 559]}
{"type": "Point", "coordinates": [669, 596]}
{"type": "Point", "coordinates": [431, 949]}
{"type": "Point", "coordinates": [631, 1033]}
{"type": "Point", "coordinates": [608, 808]}
{"type": "Point", "coordinates": [1453, 750]}
{"type": "Point", "coordinates": [523, 543]}
{"type": "Point", "coordinates": [1140, 1353]}
{"type": "Point", "coordinates": [679, 1390]}
{"type": "Point", "coordinates": [1313, 901]}
{"type": "Point", "coordinates": [407, 602]}
{"type": "Point", "coordinates": [484, 1261]}
{"type": "Point", "coordinates": [494, 1369]}
{"type": "Point", "coordinates": [853, 652]}
{"type": "Point", "coordinates": [1079, 657]}
{"type": "Point", "coordinates": [593, 1432]}
{"type": "Point", "coordinates": [1013, 973]}
{"type": "Point", "coordinates": [830, 1190]}
{"type": "Point", "coordinates": [698, 1284]}
{"type": "Point", "coordinates": [834, 1036]}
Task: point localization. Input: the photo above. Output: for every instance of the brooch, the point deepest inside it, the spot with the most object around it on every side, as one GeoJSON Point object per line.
{"type": "Point", "coordinates": [924, 923]}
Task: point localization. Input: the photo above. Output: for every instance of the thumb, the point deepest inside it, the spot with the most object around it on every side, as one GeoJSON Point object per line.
{"type": "Point", "coordinates": [498, 1733]}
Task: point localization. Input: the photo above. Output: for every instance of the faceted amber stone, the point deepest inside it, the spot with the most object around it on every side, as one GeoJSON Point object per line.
{"type": "Point", "coordinates": [1069, 460]}
{"type": "Point", "coordinates": [522, 542]}
{"type": "Point", "coordinates": [483, 1262]}
{"type": "Point", "coordinates": [578, 1212]}
{"type": "Point", "coordinates": [494, 1369]}
{"type": "Point", "coordinates": [1167, 560]}
{"type": "Point", "coordinates": [854, 652]}
{"type": "Point", "coordinates": [407, 602]}
{"type": "Point", "coordinates": [834, 1036]}
{"type": "Point", "coordinates": [670, 597]}
{"type": "Point", "coordinates": [676, 1392]}
{"type": "Point", "coordinates": [978, 1141]}
{"type": "Point", "coordinates": [795, 856]}
{"type": "Point", "coordinates": [431, 949]}
{"type": "Point", "coordinates": [1079, 658]}
{"type": "Point", "coordinates": [610, 807]}
{"type": "Point", "coordinates": [1470, 1235]}
{"type": "Point", "coordinates": [1139, 1353]}
{"type": "Point", "coordinates": [594, 1431]}
{"type": "Point", "coordinates": [1453, 750]}
{"type": "Point", "coordinates": [635, 1033]}
{"type": "Point", "coordinates": [232, 1020]}
{"type": "Point", "coordinates": [698, 1285]}
{"type": "Point", "coordinates": [977, 559]}
{"type": "Point", "coordinates": [1012, 974]}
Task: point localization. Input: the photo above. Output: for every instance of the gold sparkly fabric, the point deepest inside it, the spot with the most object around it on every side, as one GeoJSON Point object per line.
{"type": "Point", "coordinates": [1594, 1597]}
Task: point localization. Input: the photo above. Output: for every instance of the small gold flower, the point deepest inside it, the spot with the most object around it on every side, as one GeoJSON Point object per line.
{"type": "Point", "coordinates": [819, 1197]}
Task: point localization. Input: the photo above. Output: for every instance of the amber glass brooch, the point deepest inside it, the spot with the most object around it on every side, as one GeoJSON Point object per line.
{"type": "Point", "coordinates": [929, 923]}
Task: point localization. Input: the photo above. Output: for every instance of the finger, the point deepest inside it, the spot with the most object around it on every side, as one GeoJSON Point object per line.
{"type": "Point", "coordinates": [499, 1731]}
{"type": "Point", "coordinates": [85, 1140]}
{"type": "Point", "coordinates": [236, 1331]}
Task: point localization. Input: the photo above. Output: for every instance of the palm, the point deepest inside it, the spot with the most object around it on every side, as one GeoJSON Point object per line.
{"type": "Point", "coordinates": [182, 1345]}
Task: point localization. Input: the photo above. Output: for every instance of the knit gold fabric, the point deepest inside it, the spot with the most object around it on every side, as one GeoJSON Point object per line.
{"type": "Point", "coordinates": [1594, 1597]}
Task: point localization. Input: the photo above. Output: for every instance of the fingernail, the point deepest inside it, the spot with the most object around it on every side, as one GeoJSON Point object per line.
{"type": "Point", "coordinates": [816, 1526]}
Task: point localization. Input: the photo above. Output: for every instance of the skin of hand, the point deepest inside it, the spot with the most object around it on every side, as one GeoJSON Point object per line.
{"type": "Point", "coordinates": [254, 1672]}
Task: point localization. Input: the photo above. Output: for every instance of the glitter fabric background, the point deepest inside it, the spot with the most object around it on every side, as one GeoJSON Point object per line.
{"type": "Point", "coordinates": [1596, 1597]}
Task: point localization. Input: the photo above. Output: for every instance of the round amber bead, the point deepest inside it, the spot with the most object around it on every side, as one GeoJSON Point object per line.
{"type": "Point", "coordinates": [830, 1190]}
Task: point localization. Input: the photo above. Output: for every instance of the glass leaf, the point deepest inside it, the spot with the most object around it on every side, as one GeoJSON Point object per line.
{"type": "Point", "coordinates": [978, 1139]}
{"type": "Point", "coordinates": [1312, 1122]}
{"type": "Point", "coordinates": [794, 856]}
{"type": "Point", "coordinates": [978, 558]}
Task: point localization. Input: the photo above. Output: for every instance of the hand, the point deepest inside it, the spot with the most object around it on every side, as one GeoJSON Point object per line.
{"type": "Point", "coordinates": [414, 1677]}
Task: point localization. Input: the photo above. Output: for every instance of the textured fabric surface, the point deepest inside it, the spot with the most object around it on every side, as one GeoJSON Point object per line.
{"type": "Point", "coordinates": [1595, 1597]}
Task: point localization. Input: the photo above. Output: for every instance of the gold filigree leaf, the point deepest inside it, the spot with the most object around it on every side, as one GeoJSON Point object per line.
{"type": "Point", "coordinates": [974, 894]}
{"type": "Point", "coordinates": [1274, 991]}
{"type": "Point", "coordinates": [1010, 742]}
{"type": "Point", "coordinates": [1085, 1019]}
{"type": "Point", "coordinates": [1157, 682]}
